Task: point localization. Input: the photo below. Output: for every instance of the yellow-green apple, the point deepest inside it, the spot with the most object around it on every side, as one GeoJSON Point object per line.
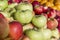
{"type": "Point", "coordinates": [3, 5]}
{"type": "Point", "coordinates": [24, 17]}
{"type": "Point", "coordinates": [34, 35]}
{"type": "Point", "coordinates": [25, 6]}
{"type": "Point", "coordinates": [39, 21]}
{"type": "Point", "coordinates": [45, 33]}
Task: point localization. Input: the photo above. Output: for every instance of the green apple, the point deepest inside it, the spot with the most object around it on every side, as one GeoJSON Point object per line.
{"type": "Point", "coordinates": [34, 35]}
{"type": "Point", "coordinates": [3, 5]}
{"type": "Point", "coordinates": [55, 33]}
{"type": "Point", "coordinates": [25, 6]}
{"type": "Point", "coordinates": [47, 34]}
{"type": "Point", "coordinates": [24, 17]}
{"type": "Point", "coordinates": [39, 21]}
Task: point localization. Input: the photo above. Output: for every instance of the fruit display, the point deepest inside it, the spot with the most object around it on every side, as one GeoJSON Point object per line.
{"type": "Point", "coordinates": [29, 19]}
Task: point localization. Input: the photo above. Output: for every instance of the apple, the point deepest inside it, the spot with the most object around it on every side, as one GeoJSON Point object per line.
{"type": "Point", "coordinates": [39, 21]}
{"type": "Point", "coordinates": [38, 9]}
{"type": "Point", "coordinates": [4, 27]}
{"type": "Point", "coordinates": [10, 1]}
{"type": "Point", "coordinates": [16, 30]}
{"type": "Point", "coordinates": [6, 15]}
{"type": "Point", "coordinates": [45, 9]}
{"type": "Point", "coordinates": [30, 1]}
{"type": "Point", "coordinates": [55, 33]}
{"type": "Point", "coordinates": [24, 6]}
{"type": "Point", "coordinates": [28, 26]}
{"type": "Point", "coordinates": [58, 13]}
{"type": "Point", "coordinates": [52, 23]}
{"type": "Point", "coordinates": [34, 3]}
{"type": "Point", "coordinates": [26, 38]}
{"type": "Point", "coordinates": [51, 13]}
{"type": "Point", "coordinates": [24, 17]}
{"type": "Point", "coordinates": [5, 5]}
{"type": "Point", "coordinates": [45, 33]}
{"type": "Point", "coordinates": [34, 35]}
{"type": "Point", "coordinates": [16, 1]}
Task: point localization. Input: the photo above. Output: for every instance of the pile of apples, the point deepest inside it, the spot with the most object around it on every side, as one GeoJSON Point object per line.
{"type": "Point", "coordinates": [27, 20]}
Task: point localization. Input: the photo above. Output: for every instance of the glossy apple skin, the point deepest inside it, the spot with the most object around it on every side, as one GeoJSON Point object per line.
{"type": "Point", "coordinates": [17, 1]}
{"type": "Point", "coordinates": [34, 35]}
{"type": "Point", "coordinates": [38, 9]}
{"type": "Point", "coordinates": [51, 13]}
{"type": "Point", "coordinates": [24, 17]}
{"type": "Point", "coordinates": [16, 30]}
{"type": "Point", "coordinates": [24, 6]}
{"type": "Point", "coordinates": [39, 21]}
{"type": "Point", "coordinates": [52, 23]}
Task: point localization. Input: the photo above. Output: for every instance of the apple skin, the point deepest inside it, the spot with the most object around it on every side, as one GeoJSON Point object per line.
{"type": "Point", "coordinates": [58, 13]}
{"type": "Point", "coordinates": [52, 23]}
{"type": "Point", "coordinates": [16, 30]}
{"type": "Point", "coordinates": [27, 27]}
{"type": "Point", "coordinates": [39, 21]}
{"type": "Point", "coordinates": [24, 17]}
{"type": "Point", "coordinates": [38, 9]}
{"type": "Point", "coordinates": [55, 33]}
{"type": "Point", "coordinates": [4, 27]}
{"type": "Point", "coordinates": [51, 13]}
{"type": "Point", "coordinates": [25, 6]}
{"type": "Point", "coordinates": [16, 1]}
{"type": "Point", "coordinates": [5, 4]}
{"type": "Point", "coordinates": [34, 35]}
{"type": "Point", "coordinates": [34, 3]}
{"type": "Point", "coordinates": [45, 33]}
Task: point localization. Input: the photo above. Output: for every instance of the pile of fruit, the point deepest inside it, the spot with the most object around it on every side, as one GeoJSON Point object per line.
{"type": "Point", "coordinates": [29, 20]}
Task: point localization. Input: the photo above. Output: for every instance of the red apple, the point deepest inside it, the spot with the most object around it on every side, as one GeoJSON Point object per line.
{"type": "Point", "coordinates": [58, 13]}
{"type": "Point", "coordinates": [1, 16]}
{"type": "Point", "coordinates": [34, 3]}
{"type": "Point", "coordinates": [17, 1]}
{"type": "Point", "coordinates": [10, 1]}
{"type": "Point", "coordinates": [27, 1]}
{"type": "Point", "coordinates": [38, 9]}
{"type": "Point", "coordinates": [51, 13]}
{"type": "Point", "coordinates": [45, 9]}
{"type": "Point", "coordinates": [52, 23]}
{"type": "Point", "coordinates": [16, 30]}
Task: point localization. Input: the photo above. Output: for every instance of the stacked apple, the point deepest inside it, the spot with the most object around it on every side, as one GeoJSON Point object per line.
{"type": "Point", "coordinates": [23, 20]}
